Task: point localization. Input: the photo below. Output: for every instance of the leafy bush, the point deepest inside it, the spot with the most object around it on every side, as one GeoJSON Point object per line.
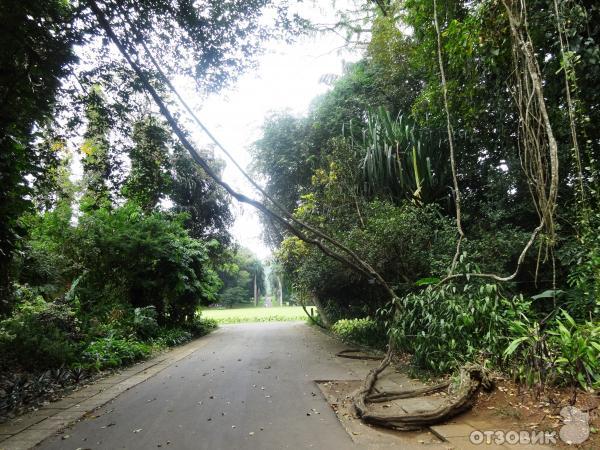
{"type": "Point", "coordinates": [110, 352]}
{"type": "Point", "coordinates": [233, 295]}
{"type": "Point", "coordinates": [360, 331]}
{"type": "Point", "coordinates": [173, 336]}
{"type": "Point", "coordinates": [143, 260]}
{"type": "Point", "coordinates": [40, 334]}
{"type": "Point", "coordinates": [144, 322]}
{"type": "Point", "coordinates": [201, 326]}
{"type": "Point", "coordinates": [445, 327]}
{"type": "Point", "coordinates": [402, 243]}
{"type": "Point", "coordinates": [563, 352]}
{"type": "Point", "coordinates": [528, 351]}
{"type": "Point", "coordinates": [577, 346]}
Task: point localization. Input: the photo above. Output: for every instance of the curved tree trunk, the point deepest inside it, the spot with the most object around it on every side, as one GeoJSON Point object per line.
{"type": "Point", "coordinates": [322, 314]}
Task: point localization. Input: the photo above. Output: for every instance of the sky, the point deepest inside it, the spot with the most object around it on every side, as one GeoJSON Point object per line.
{"type": "Point", "coordinates": [286, 78]}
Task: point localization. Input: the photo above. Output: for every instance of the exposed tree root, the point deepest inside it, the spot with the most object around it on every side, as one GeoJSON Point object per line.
{"type": "Point", "coordinates": [381, 397]}
{"type": "Point", "coordinates": [351, 354]}
{"type": "Point", "coordinates": [472, 379]}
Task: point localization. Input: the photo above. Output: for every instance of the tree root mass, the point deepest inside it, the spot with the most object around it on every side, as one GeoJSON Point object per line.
{"type": "Point", "coordinates": [472, 379]}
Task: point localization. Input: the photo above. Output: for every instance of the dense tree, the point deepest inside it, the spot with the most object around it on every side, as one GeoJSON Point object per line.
{"type": "Point", "coordinates": [96, 154]}
{"type": "Point", "coordinates": [149, 179]}
{"type": "Point", "coordinates": [37, 41]}
{"type": "Point", "coordinates": [242, 272]}
{"type": "Point", "coordinates": [194, 193]}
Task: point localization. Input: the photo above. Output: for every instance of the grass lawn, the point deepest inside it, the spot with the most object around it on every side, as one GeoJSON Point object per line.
{"type": "Point", "coordinates": [259, 314]}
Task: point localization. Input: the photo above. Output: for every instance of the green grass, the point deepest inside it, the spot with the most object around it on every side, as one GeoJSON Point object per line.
{"type": "Point", "coordinates": [260, 314]}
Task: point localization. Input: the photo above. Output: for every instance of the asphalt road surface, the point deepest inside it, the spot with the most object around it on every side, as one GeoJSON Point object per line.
{"type": "Point", "coordinates": [251, 386]}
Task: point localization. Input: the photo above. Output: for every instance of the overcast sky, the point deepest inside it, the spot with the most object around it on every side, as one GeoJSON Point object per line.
{"type": "Point", "coordinates": [287, 78]}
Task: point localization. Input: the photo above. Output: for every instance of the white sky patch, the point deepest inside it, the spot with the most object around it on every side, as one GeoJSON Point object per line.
{"type": "Point", "coordinates": [287, 77]}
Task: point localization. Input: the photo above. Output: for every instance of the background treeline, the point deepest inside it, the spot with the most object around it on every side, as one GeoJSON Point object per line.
{"type": "Point", "coordinates": [369, 164]}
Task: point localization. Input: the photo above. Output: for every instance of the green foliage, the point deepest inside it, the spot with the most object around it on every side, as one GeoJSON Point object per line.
{"type": "Point", "coordinates": [171, 337]}
{"type": "Point", "coordinates": [403, 243]}
{"type": "Point", "coordinates": [206, 204]}
{"type": "Point", "coordinates": [110, 352]}
{"type": "Point", "coordinates": [240, 270]}
{"type": "Point", "coordinates": [40, 334]}
{"type": "Point", "coordinates": [201, 326]}
{"type": "Point", "coordinates": [401, 162]}
{"type": "Point", "coordinates": [529, 351]}
{"type": "Point", "coordinates": [149, 179]}
{"type": "Point", "coordinates": [577, 347]}
{"type": "Point", "coordinates": [144, 322]}
{"type": "Point", "coordinates": [233, 295]}
{"type": "Point", "coordinates": [444, 327]}
{"type": "Point", "coordinates": [583, 255]}
{"type": "Point", "coordinates": [363, 331]}
{"type": "Point", "coordinates": [37, 52]}
{"type": "Point", "coordinates": [96, 159]}
{"type": "Point", "coordinates": [142, 260]}
{"type": "Point", "coordinates": [563, 351]}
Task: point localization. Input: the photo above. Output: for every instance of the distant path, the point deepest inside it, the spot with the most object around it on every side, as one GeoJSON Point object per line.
{"type": "Point", "coordinates": [250, 387]}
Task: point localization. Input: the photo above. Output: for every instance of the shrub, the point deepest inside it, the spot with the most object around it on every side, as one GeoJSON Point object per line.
{"type": "Point", "coordinates": [360, 331]}
{"type": "Point", "coordinates": [40, 334]}
{"type": "Point", "coordinates": [173, 336]}
{"type": "Point", "coordinates": [144, 322]}
{"type": "Point", "coordinates": [201, 326]}
{"type": "Point", "coordinates": [143, 260]}
{"type": "Point", "coordinates": [402, 243]}
{"type": "Point", "coordinates": [110, 352]}
{"type": "Point", "coordinates": [577, 347]}
{"type": "Point", "coordinates": [445, 327]}
{"type": "Point", "coordinates": [563, 351]}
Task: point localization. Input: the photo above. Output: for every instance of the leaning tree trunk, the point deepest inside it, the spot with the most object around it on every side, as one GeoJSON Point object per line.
{"type": "Point", "coordinates": [322, 314]}
{"type": "Point", "coordinates": [280, 290]}
{"type": "Point", "coordinates": [255, 292]}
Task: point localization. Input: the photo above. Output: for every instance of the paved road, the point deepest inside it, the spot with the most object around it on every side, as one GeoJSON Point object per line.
{"type": "Point", "coordinates": [250, 387]}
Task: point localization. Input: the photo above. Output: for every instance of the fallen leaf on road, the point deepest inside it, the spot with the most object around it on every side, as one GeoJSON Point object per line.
{"type": "Point", "coordinates": [138, 430]}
